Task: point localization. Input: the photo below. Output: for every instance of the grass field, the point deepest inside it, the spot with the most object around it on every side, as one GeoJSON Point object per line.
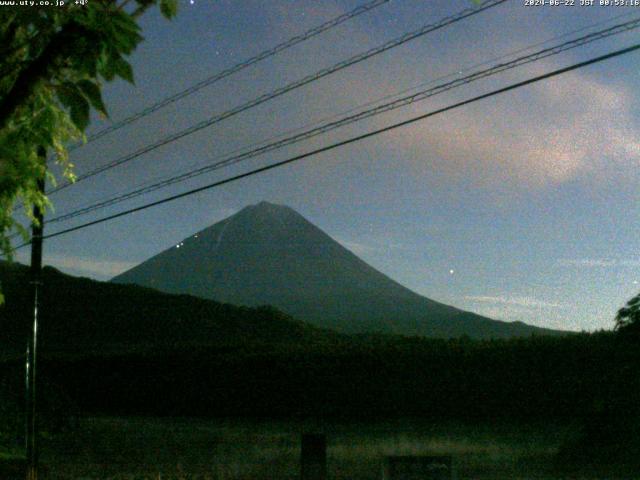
{"type": "Point", "coordinates": [135, 448]}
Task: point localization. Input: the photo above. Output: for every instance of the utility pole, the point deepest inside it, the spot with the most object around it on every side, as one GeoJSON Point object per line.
{"type": "Point", "coordinates": [37, 229]}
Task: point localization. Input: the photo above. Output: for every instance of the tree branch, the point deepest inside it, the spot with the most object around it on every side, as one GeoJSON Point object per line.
{"type": "Point", "coordinates": [25, 84]}
{"type": "Point", "coordinates": [140, 10]}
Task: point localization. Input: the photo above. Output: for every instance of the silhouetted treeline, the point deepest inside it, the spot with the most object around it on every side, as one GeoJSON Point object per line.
{"type": "Point", "coordinates": [80, 316]}
{"type": "Point", "coordinates": [121, 350]}
{"type": "Point", "coordinates": [378, 376]}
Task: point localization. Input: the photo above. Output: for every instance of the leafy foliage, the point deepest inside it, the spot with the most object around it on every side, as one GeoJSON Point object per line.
{"type": "Point", "coordinates": [628, 317]}
{"type": "Point", "coordinates": [53, 62]}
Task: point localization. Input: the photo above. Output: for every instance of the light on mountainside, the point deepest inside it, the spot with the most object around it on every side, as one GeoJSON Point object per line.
{"type": "Point", "coordinates": [288, 262]}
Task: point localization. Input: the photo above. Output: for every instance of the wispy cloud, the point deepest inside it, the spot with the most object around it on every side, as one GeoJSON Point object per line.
{"type": "Point", "coordinates": [544, 137]}
{"type": "Point", "coordinates": [525, 302]}
{"type": "Point", "coordinates": [358, 248]}
{"type": "Point", "coordinates": [572, 126]}
{"type": "Point", "coordinates": [552, 318]}
{"type": "Point", "coordinates": [534, 311]}
{"type": "Point", "coordinates": [598, 263]}
{"type": "Point", "coordinates": [96, 268]}
{"type": "Point", "coordinates": [370, 244]}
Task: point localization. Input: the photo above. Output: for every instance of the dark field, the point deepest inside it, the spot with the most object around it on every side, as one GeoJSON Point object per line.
{"type": "Point", "coordinates": [566, 406]}
{"type": "Point", "coordinates": [137, 448]}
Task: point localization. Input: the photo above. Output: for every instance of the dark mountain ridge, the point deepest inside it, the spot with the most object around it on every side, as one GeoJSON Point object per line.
{"type": "Point", "coordinates": [83, 316]}
{"type": "Point", "coordinates": [270, 254]}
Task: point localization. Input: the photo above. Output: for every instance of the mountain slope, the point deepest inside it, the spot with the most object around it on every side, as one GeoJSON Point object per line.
{"type": "Point", "coordinates": [270, 254]}
{"type": "Point", "coordinates": [83, 316]}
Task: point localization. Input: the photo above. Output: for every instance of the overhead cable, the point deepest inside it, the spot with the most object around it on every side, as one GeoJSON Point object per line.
{"type": "Point", "coordinates": [287, 88]}
{"type": "Point", "coordinates": [236, 68]}
{"type": "Point", "coordinates": [351, 140]}
{"type": "Point", "coordinates": [398, 103]}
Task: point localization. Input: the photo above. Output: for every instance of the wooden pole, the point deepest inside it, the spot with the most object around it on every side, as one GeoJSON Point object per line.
{"type": "Point", "coordinates": [37, 230]}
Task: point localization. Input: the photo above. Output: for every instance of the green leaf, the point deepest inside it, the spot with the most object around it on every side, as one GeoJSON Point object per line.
{"type": "Point", "coordinates": [111, 64]}
{"type": "Point", "coordinates": [87, 63]}
{"type": "Point", "coordinates": [105, 65]}
{"type": "Point", "coordinates": [124, 21]}
{"type": "Point", "coordinates": [169, 8]}
{"type": "Point", "coordinates": [69, 95]}
{"type": "Point", "coordinates": [92, 92]}
{"type": "Point", "coordinates": [124, 32]}
{"type": "Point", "coordinates": [122, 68]}
{"type": "Point", "coordinates": [72, 98]}
{"type": "Point", "coordinates": [80, 114]}
{"type": "Point", "coordinates": [85, 58]}
{"type": "Point", "coordinates": [125, 41]}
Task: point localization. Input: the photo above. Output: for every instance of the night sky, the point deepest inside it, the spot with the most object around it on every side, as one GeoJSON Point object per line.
{"type": "Point", "coordinates": [518, 207]}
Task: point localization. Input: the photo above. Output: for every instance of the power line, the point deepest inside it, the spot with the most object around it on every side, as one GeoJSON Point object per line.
{"type": "Point", "coordinates": [236, 68]}
{"type": "Point", "coordinates": [289, 87]}
{"type": "Point", "coordinates": [282, 135]}
{"type": "Point", "coordinates": [346, 142]}
{"type": "Point", "coordinates": [397, 94]}
{"type": "Point", "coordinates": [398, 103]}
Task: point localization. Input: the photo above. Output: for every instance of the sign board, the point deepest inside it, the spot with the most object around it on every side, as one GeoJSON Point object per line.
{"type": "Point", "coordinates": [426, 467]}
